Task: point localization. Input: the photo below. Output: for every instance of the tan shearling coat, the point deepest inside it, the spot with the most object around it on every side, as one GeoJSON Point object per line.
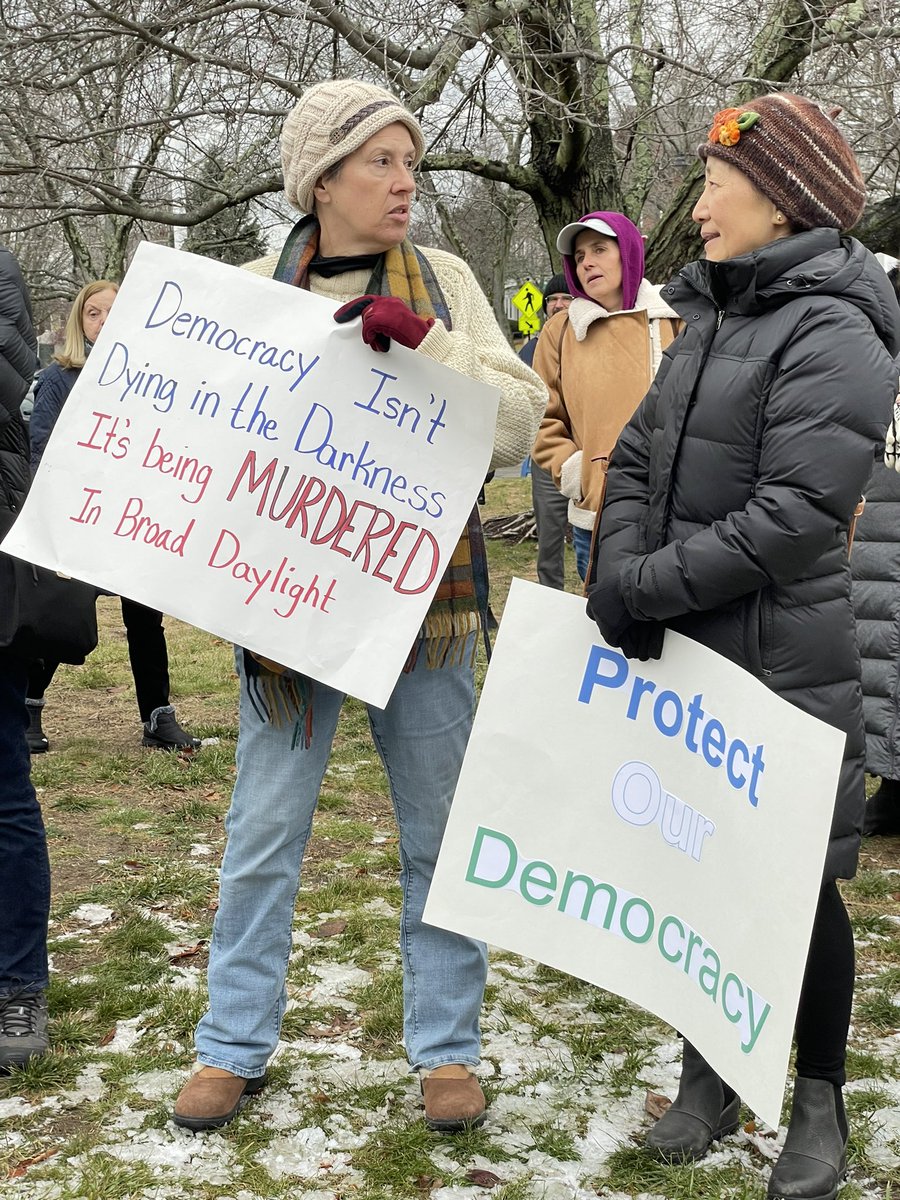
{"type": "Point", "coordinates": [597, 366]}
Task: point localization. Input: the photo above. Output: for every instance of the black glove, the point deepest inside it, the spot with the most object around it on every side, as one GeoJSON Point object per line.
{"type": "Point", "coordinates": [643, 640]}
{"type": "Point", "coordinates": [636, 639]}
{"type": "Point", "coordinates": [606, 606]}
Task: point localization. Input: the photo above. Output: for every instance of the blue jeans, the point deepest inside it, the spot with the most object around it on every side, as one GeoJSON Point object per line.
{"type": "Point", "coordinates": [24, 865]}
{"type": "Point", "coordinates": [581, 540]}
{"type": "Point", "coordinates": [420, 737]}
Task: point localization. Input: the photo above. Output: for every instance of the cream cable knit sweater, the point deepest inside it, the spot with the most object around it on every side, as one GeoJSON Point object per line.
{"type": "Point", "coordinates": [474, 347]}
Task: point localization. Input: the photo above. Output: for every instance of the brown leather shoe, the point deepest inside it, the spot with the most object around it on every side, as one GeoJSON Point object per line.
{"type": "Point", "coordinates": [453, 1099]}
{"type": "Point", "coordinates": [213, 1097]}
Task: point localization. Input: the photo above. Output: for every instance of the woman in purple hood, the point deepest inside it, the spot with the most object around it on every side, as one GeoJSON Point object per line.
{"type": "Point", "coordinates": [598, 360]}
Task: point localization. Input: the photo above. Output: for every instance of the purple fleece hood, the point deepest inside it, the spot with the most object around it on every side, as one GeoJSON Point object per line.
{"type": "Point", "coordinates": [631, 248]}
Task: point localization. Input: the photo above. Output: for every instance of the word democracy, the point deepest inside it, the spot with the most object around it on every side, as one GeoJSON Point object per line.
{"type": "Point", "coordinates": [703, 734]}
{"type": "Point", "coordinates": [167, 310]}
{"type": "Point", "coordinates": [496, 862]}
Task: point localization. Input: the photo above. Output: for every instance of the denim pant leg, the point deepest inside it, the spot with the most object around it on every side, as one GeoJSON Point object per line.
{"type": "Point", "coordinates": [421, 737]}
{"type": "Point", "coordinates": [24, 865]}
{"type": "Point", "coordinates": [267, 826]}
{"type": "Point", "coordinates": [581, 540]}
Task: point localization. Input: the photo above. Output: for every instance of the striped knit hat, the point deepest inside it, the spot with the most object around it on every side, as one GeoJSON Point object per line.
{"type": "Point", "coordinates": [795, 154]}
{"type": "Point", "coordinates": [330, 121]}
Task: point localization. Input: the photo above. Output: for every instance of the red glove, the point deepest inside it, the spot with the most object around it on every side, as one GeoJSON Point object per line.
{"type": "Point", "coordinates": [383, 318]}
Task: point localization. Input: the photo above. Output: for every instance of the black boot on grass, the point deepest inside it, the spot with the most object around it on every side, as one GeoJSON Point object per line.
{"type": "Point", "coordinates": [162, 732]}
{"type": "Point", "coordinates": [34, 734]}
{"type": "Point", "coordinates": [704, 1110]}
{"type": "Point", "coordinates": [814, 1159]}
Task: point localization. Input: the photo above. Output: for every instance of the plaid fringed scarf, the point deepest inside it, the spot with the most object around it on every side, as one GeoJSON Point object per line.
{"type": "Point", "coordinates": [460, 604]}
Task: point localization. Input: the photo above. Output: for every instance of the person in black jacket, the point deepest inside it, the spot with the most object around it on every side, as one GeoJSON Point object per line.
{"type": "Point", "coordinates": [147, 649]}
{"type": "Point", "coordinates": [24, 865]}
{"type": "Point", "coordinates": [764, 422]}
{"type": "Point", "coordinates": [551, 507]}
{"type": "Point", "coordinates": [876, 579]}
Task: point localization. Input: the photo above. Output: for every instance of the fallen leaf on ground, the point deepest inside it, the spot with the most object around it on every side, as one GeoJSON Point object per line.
{"type": "Point", "coordinates": [186, 952]}
{"type": "Point", "coordinates": [428, 1183]}
{"type": "Point", "coordinates": [22, 1167]}
{"type": "Point", "coordinates": [656, 1104]}
{"type": "Point", "coordinates": [330, 928]}
{"type": "Point", "coordinates": [485, 1179]}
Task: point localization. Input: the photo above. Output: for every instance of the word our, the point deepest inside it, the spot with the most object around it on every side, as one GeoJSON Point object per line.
{"type": "Point", "coordinates": [703, 734]}
{"type": "Point", "coordinates": [639, 799]}
{"type": "Point", "coordinates": [496, 862]}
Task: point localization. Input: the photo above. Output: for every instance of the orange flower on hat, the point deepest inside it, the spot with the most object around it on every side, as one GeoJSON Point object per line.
{"type": "Point", "coordinates": [729, 124]}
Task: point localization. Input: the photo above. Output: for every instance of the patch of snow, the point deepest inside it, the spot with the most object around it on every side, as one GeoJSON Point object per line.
{"type": "Point", "coordinates": [127, 1033]}
{"type": "Point", "coordinates": [305, 1153]}
{"type": "Point", "coordinates": [206, 1159]}
{"type": "Point", "coordinates": [154, 1085]}
{"type": "Point", "coordinates": [336, 979]}
{"type": "Point", "coordinates": [209, 741]}
{"type": "Point", "coordinates": [186, 979]}
{"type": "Point", "coordinates": [92, 914]}
{"type": "Point", "coordinates": [129, 1118]}
{"type": "Point", "coordinates": [89, 1085]}
{"type": "Point", "coordinates": [199, 849]}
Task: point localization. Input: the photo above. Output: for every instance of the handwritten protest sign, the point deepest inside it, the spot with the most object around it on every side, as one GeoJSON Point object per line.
{"type": "Point", "coordinates": [643, 826]}
{"type": "Point", "coordinates": [232, 456]}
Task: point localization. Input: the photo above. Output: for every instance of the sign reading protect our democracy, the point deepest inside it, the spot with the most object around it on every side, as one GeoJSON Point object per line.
{"type": "Point", "coordinates": [232, 456]}
{"type": "Point", "coordinates": [644, 826]}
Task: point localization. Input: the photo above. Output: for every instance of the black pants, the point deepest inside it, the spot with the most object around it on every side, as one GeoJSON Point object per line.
{"type": "Point", "coordinates": [826, 998]}
{"type": "Point", "coordinates": [146, 650]}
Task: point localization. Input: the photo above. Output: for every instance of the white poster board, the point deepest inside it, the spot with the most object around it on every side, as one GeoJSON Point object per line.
{"type": "Point", "coordinates": [644, 826]}
{"type": "Point", "coordinates": [232, 456]}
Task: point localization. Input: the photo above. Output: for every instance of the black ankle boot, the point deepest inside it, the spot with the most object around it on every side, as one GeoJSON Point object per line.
{"type": "Point", "coordinates": [814, 1159]}
{"type": "Point", "coordinates": [34, 734]}
{"type": "Point", "coordinates": [704, 1110]}
{"type": "Point", "coordinates": [882, 816]}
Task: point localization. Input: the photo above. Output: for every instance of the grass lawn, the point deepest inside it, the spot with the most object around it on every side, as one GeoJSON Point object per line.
{"type": "Point", "coordinates": [135, 839]}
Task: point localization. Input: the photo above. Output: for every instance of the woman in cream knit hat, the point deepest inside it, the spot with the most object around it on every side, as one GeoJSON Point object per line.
{"type": "Point", "coordinates": [349, 150]}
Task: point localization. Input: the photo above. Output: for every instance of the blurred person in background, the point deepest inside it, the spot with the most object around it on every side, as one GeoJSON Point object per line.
{"type": "Point", "coordinates": [147, 650]}
{"type": "Point", "coordinates": [875, 566]}
{"type": "Point", "coordinates": [598, 358]}
{"type": "Point", "coordinates": [551, 508]}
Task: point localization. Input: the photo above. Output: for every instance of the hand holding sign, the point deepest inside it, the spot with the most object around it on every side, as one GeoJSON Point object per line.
{"type": "Point", "coordinates": [383, 318]}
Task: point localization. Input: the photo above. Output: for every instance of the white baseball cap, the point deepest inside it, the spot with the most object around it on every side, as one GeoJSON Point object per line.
{"type": "Point", "coordinates": [565, 239]}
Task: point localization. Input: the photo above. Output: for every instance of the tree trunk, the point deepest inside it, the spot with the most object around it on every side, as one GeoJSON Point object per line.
{"type": "Point", "coordinates": [786, 38]}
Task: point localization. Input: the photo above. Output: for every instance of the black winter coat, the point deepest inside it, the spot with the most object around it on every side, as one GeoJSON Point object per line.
{"type": "Point", "coordinates": [875, 564]}
{"type": "Point", "coordinates": [18, 360]}
{"type": "Point", "coordinates": [730, 491]}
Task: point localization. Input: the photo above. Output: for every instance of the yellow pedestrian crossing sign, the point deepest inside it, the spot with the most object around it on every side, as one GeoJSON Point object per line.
{"type": "Point", "coordinates": [529, 323]}
{"type": "Point", "coordinates": [528, 300]}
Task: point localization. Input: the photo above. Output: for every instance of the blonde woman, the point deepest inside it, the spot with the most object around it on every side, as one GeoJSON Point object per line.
{"type": "Point", "coordinates": [144, 628]}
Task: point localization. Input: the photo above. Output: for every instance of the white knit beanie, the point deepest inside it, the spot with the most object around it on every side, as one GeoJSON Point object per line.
{"type": "Point", "coordinates": [330, 121]}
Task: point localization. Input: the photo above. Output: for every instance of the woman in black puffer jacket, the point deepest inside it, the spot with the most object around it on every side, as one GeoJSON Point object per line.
{"type": "Point", "coordinates": [726, 516]}
{"type": "Point", "coordinates": [24, 866]}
